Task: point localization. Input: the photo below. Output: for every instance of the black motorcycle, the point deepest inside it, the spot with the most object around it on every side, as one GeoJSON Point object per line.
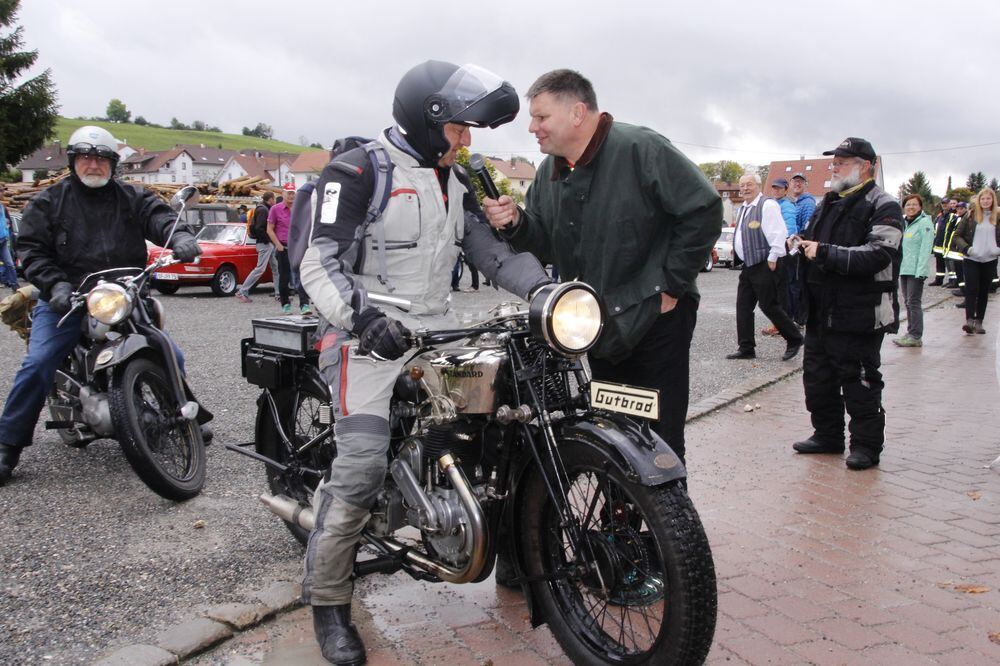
{"type": "Point", "coordinates": [501, 445]}
{"type": "Point", "coordinates": [122, 380]}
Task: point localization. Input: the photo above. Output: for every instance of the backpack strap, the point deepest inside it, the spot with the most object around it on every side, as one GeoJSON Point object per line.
{"type": "Point", "coordinates": [382, 168]}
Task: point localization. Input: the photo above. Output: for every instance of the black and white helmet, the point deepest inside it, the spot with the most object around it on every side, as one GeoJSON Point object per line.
{"type": "Point", "coordinates": [92, 140]}
{"type": "Point", "coordinates": [434, 93]}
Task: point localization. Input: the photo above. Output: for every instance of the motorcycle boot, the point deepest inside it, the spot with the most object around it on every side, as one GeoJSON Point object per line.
{"type": "Point", "coordinates": [337, 636]}
{"type": "Point", "coordinates": [9, 457]}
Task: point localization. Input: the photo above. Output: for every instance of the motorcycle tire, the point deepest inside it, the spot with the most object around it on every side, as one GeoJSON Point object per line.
{"type": "Point", "coordinates": [298, 406]}
{"type": "Point", "coordinates": [654, 600]}
{"type": "Point", "coordinates": [165, 450]}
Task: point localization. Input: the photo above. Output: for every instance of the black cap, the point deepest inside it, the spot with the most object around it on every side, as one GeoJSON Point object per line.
{"type": "Point", "coordinates": [801, 176]}
{"type": "Point", "coordinates": [962, 204]}
{"type": "Point", "coordinates": [779, 182]}
{"type": "Point", "coordinates": [852, 146]}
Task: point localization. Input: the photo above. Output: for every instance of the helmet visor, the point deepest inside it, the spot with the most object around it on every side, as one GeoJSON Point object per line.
{"type": "Point", "coordinates": [84, 148]}
{"type": "Point", "coordinates": [478, 97]}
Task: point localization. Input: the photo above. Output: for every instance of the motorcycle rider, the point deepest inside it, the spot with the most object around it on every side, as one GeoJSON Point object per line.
{"type": "Point", "coordinates": [431, 216]}
{"type": "Point", "coordinates": [85, 223]}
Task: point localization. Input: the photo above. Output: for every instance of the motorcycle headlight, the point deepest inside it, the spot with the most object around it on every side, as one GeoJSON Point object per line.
{"type": "Point", "coordinates": [567, 316]}
{"type": "Point", "coordinates": [109, 303]}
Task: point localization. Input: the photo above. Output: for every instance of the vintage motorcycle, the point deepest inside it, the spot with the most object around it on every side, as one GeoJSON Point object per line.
{"type": "Point", "coordinates": [501, 445]}
{"type": "Point", "coordinates": [122, 380]}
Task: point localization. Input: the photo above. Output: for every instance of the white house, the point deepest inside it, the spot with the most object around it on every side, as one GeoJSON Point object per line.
{"type": "Point", "coordinates": [308, 166]}
{"type": "Point", "coordinates": [53, 158]}
{"type": "Point", "coordinates": [520, 173]}
{"type": "Point", "coordinates": [173, 166]}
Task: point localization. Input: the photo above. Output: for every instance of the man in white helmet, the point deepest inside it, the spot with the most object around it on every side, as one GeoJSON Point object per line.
{"type": "Point", "coordinates": [85, 223]}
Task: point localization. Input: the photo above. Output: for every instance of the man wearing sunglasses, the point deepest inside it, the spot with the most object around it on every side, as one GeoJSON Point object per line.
{"type": "Point", "coordinates": [85, 223]}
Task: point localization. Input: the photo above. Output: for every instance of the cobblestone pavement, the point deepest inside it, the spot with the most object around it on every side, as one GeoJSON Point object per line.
{"type": "Point", "coordinates": [816, 564]}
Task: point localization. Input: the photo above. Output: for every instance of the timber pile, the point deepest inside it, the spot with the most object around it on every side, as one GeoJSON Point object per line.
{"type": "Point", "coordinates": [247, 186]}
{"type": "Point", "coordinates": [17, 195]}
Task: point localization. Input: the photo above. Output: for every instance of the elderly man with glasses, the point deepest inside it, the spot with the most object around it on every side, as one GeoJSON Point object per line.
{"type": "Point", "coordinates": [82, 224]}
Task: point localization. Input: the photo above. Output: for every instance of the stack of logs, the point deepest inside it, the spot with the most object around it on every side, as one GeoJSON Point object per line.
{"type": "Point", "coordinates": [17, 195]}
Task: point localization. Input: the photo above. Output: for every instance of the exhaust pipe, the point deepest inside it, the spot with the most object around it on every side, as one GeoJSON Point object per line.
{"type": "Point", "coordinates": [292, 512]}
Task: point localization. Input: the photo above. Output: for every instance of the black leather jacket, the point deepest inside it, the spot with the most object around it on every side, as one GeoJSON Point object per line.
{"type": "Point", "coordinates": [71, 230]}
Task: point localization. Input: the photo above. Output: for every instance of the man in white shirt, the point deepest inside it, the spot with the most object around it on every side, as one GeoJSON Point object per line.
{"type": "Point", "coordinates": [758, 243]}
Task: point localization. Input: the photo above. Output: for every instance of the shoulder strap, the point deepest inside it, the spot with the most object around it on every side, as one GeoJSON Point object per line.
{"type": "Point", "coordinates": [382, 167]}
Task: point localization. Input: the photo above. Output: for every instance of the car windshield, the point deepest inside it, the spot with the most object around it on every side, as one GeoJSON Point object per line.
{"type": "Point", "coordinates": [727, 234]}
{"type": "Point", "coordinates": [231, 234]}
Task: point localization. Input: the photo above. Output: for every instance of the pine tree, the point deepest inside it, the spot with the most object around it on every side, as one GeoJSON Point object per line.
{"type": "Point", "coordinates": [994, 185]}
{"type": "Point", "coordinates": [27, 109]}
{"type": "Point", "coordinates": [918, 184]}
{"type": "Point", "coordinates": [976, 181]}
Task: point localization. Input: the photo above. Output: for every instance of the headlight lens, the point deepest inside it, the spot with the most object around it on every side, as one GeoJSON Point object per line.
{"type": "Point", "coordinates": [109, 303]}
{"type": "Point", "coordinates": [567, 316]}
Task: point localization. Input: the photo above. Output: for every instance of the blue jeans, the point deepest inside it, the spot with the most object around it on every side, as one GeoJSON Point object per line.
{"type": "Point", "coordinates": [48, 346]}
{"type": "Point", "coordinates": [8, 273]}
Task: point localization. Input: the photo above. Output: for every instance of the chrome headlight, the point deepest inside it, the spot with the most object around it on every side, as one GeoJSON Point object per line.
{"type": "Point", "coordinates": [567, 316]}
{"type": "Point", "coordinates": [109, 303]}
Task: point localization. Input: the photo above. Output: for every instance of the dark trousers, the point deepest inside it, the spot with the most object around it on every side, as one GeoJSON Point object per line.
{"type": "Point", "coordinates": [660, 361]}
{"type": "Point", "coordinates": [758, 285]}
{"type": "Point", "coordinates": [978, 280]}
{"type": "Point", "coordinates": [793, 288]}
{"type": "Point", "coordinates": [285, 279]}
{"type": "Point", "coordinates": [840, 371]}
{"type": "Point", "coordinates": [456, 273]}
{"type": "Point", "coordinates": [781, 285]}
{"type": "Point", "coordinates": [940, 269]}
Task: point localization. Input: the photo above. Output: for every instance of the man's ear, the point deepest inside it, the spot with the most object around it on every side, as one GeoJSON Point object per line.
{"type": "Point", "coordinates": [578, 113]}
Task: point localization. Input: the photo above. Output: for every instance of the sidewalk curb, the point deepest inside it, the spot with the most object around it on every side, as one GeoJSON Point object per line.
{"type": "Point", "coordinates": [280, 597]}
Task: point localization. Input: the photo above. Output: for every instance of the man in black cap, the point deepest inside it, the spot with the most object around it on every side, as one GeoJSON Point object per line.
{"type": "Point", "coordinates": [852, 251]}
{"type": "Point", "coordinates": [940, 225]}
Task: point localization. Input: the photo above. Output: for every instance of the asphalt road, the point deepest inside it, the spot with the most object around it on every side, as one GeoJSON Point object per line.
{"type": "Point", "coordinates": [91, 559]}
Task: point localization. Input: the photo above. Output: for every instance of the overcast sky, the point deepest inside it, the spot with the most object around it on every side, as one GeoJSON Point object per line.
{"type": "Point", "coordinates": [761, 81]}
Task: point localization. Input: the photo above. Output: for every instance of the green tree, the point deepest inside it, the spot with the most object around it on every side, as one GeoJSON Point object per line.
{"type": "Point", "coordinates": [199, 126]}
{"type": "Point", "coordinates": [503, 185]}
{"type": "Point", "coordinates": [316, 144]}
{"type": "Point", "coordinates": [994, 185]}
{"type": "Point", "coordinates": [961, 194]}
{"type": "Point", "coordinates": [763, 170]}
{"type": "Point", "coordinates": [178, 125]}
{"type": "Point", "coordinates": [139, 120]}
{"type": "Point", "coordinates": [724, 170]}
{"type": "Point", "coordinates": [117, 112]}
{"type": "Point", "coordinates": [28, 109]}
{"type": "Point", "coordinates": [918, 184]}
{"type": "Point", "coordinates": [711, 170]}
{"type": "Point", "coordinates": [976, 181]}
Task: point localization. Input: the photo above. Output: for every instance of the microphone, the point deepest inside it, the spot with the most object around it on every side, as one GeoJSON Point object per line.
{"type": "Point", "coordinates": [478, 164]}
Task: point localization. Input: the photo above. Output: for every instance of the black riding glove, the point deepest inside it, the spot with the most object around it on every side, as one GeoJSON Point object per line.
{"type": "Point", "coordinates": [60, 298]}
{"type": "Point", "coordinates": [185, 247]}
{"type": "Point", "coordinates": [380, 336]}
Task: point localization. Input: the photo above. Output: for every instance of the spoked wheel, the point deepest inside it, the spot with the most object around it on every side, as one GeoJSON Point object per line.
{"type": "Point", "coordinates": [634, 583]}
{"type": "Point", "coordinates": [163, 448]}
{"type": "Point", "coordinates": [314, 447]}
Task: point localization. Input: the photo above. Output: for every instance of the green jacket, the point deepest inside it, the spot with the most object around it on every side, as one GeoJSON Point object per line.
{"type": "Point", "coordinates": [918, 242]}
{"type": "Point", "coordinates": [637, 219]}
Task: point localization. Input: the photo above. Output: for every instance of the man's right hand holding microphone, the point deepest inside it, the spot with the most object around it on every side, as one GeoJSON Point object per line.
{"type": "Point", "coordinates": [502, 213]}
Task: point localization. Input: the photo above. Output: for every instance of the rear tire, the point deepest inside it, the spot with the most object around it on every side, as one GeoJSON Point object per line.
{"type": "Point", "coordinates": [651, 597]}
{"type": "Point", "coordinates": [225, 282]}
{"type": "Point", "coordinates": [163, 448]}
{"type": "Point", "coordinates": [299, 410]}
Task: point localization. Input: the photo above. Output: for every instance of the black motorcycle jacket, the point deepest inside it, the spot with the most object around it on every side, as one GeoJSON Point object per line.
{"type": "Point", "coordinates": [71, 230]}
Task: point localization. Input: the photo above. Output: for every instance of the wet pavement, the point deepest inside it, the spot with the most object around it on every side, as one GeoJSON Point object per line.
{"type": "Point", "coordinates": [899, 564]}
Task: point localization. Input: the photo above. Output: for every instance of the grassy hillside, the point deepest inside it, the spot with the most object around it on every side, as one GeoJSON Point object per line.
{"type": "Point", "coordinates": [156, 138]}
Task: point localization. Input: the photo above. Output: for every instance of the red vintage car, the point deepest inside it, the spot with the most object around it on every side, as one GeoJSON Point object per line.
{"type": "Point", "coordinates": [227, 257]}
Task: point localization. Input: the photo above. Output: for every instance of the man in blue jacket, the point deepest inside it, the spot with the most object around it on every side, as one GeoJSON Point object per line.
{"type": "Point", "coordinates": [805, 206]}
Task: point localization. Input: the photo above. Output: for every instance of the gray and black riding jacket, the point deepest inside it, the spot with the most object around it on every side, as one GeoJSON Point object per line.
{"type": "Point", "coordinates": [431, 216]}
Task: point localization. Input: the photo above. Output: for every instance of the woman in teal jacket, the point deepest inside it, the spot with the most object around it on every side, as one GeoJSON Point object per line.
{"type": "Point", "coordinates": [918, 242]}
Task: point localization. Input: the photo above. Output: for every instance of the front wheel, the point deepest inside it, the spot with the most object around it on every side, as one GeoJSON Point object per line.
{"type": "Point", "coordinates": [303, 410]}
{"type": "Point", "coordinates": [163, 447]}
{"type": "Point", "coordinates": [166, 288]}
{"type": "Point", "coordinates": [636, 583]}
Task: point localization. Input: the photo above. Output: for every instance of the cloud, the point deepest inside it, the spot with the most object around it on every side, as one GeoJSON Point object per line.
{"type": "Point", "coordinates": [764, 86]}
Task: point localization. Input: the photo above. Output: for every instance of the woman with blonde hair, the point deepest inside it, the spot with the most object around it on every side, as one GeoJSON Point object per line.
{"type": "Point", "coordinates": [978, 236]}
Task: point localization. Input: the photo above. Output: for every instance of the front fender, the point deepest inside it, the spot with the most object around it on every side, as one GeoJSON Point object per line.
{"type": "Point", "coordinates": [641, 453]}
{"type": "Point", "coordinates": [116, 351]}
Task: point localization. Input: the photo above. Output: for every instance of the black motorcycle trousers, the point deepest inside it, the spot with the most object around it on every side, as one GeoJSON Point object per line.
{"type": "Point", "coordinates": [660, 361]}
{"type": "Point", "coordinates": [840, 372]}
{"type": "Point", "coordinates": [759, 285]}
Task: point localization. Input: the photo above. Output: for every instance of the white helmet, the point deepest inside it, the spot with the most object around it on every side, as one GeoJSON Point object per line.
{"type": "Point", "coordinates": [91, 140]}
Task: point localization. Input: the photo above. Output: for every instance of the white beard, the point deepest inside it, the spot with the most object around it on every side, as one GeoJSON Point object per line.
{"type": "Point", "coordinates": [95, 181]}
{"type": "Point", "coordinates": [839, 184]}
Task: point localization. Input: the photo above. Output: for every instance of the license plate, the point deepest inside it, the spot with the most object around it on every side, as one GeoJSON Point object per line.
{"type": "Point", "coordinates": [165, 276]}
{"type": "Point", "coordinates": [624, 399]}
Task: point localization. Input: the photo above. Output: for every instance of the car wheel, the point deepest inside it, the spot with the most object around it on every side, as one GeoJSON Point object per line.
{"type": "Point", "coordinates": [166, 287]}
{"type": "Point", "coordinates": [225, 283]}
{"type": "Point", "coordinates": [709, 265]}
